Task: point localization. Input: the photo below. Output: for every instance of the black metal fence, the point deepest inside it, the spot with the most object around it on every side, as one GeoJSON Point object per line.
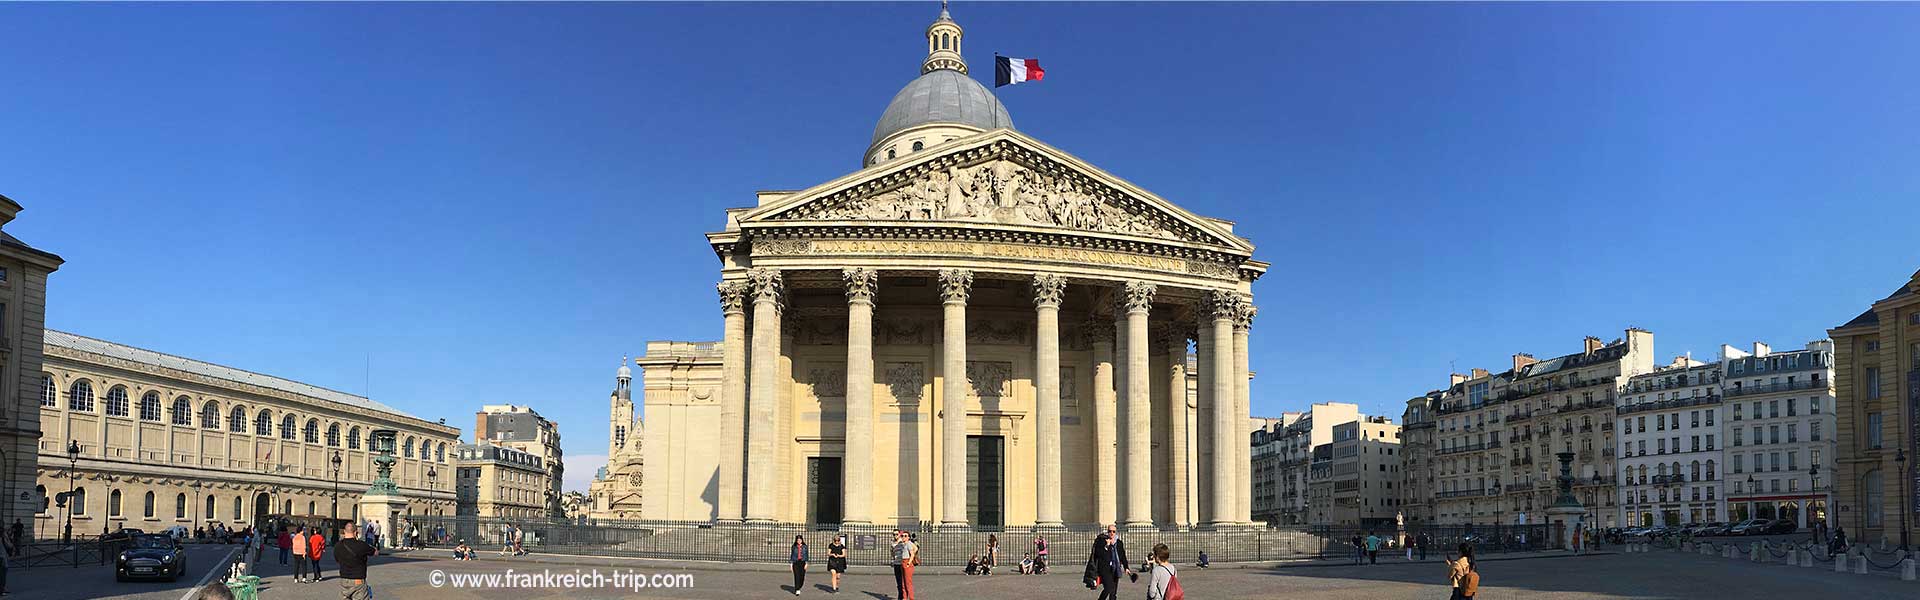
{"type": "Point", "coordinates": [54, 553]}
{"type": "Point", "coordinates": [770, 543]}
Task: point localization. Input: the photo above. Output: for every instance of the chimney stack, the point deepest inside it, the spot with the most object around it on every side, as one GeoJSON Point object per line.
{"type": "Point", "coordinates": [1454, 379]}
{"type": "Point", "coordinates": [1478, 373]}
{"type": "Point", "coordinates": [1521, 359]}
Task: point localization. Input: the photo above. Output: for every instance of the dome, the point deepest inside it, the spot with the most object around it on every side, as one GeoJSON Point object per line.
{"type": "Point", "coordinates": [942, 96]}
{"type": "Point", "coordinates": [624, 372]}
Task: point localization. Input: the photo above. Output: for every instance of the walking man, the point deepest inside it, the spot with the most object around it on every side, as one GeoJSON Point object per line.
{"type": "Point", "coordinates": [1109, 559]}
{"type": "Point", "coordinates": [352, 554]}
{"type": "Point", "coordinates": [1373, 548]}
{"type": "Point", "coordinates": [300, 555]}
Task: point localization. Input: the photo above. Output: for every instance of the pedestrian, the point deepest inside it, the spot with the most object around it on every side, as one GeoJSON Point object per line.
{"type": "Point", "coordinates": [992, 558]}
{"type": "Point", "coordinates": [1424, 540]}
{"type": "Point", "coordinates": [1373, 548]}
{"type": "Point", "coordinates": [16, 534]}
{"type": "Point", "coordinates": [1108, 560]}
{"type": "Point", "coordinates": [1359, 548]}
{"type": "Point", "coordinates": [1164, 583]}
{"type": "Point", "coordinates": [7, 549]}
{"type": "Point", "coordinates": [797, 556]}
{"type": "Point", "coordinates": [300, 555]}
{"type": "Point", "coordinates": [1408, 542]}
{"type": "Point", "coordinates": [1040, 554]}
{"type": "Point", "coordinates": [906, 555]}
{"type": "Point", "coordinates": [285, 543]}
{"type": "Point", "coordinates": [837, 560]}
{"type": "Point", "coordinates": [1458, 570]}
{"type": "Point", "coordinates": [316, 544]}
{"type": "Point", "coordinates": [351, 555]}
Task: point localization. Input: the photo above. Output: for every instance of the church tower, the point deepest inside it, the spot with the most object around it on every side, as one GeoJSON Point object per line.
{"type": "Point", "coordinates": [620, 417]}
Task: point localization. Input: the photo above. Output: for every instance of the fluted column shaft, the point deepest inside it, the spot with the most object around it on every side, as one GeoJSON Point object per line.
{"type": "Point", "coordinates": [1225, 500]}
{"type": "Point", "coordinates": [857, 488]}
{"type": "Point", "coordinates": [762, 472]}
{"type": "Point", "coordinates": [1048, 291]}
{"type": "Point", "coordinates": [1242, 411]}
{"type": "Point", "coordinates": [733, 401]}
{"type": "Point", "coordinates": [955, 284]}
{"type": "Point", "coordinates": [1139, 448]}
{"type": "Point", "coordinates": [1176, 422]}
{"type": "Point", "coordinates": [1203, 417]}
{"type": "Point", "coordinates": [1105, 486]}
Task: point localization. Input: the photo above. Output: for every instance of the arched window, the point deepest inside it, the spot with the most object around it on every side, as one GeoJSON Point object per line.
{"type": "Point", "coordinates": [311, 508]}
{"type": "Point", "coordinates": [49, 393]}
{"type": "Point", "coordinates": [236, 509]}
{"type": "Point", "coordinates": [333, 435]}
{"type": "Point", "coordinates": [180, 506]}
{"type": "Point", "coordinates": [1694, 470]}
{"type": "Point", "coordinates": [183, 415]}
{"type": "Point", "coordinates": [408, 448]}
{"type": "Point", "coordinates": [237, 420]}
{"type": "Point", "coordinates": [150, 407]}
{"type": "Point", "coordinates": [148, 512]}
{"type": "Point", "coordinates": [889, 154]}
{"type": "Point", "coordinates": [311, 433]}
{"type": "Point", "coordinates": [917, 146]}
{"type": "Point", "coordinates": [287, 424]}
{"type": "Point", "coordinates": [117, 401]}
{"type": "Point", "coordinates": [1662, 470]}
{"type": "Point", "coordinates": [440, 452]}
{"type": "Point", "coordinates": [426, 449]}
{"type": "Point", "coordinates": [1710, 470]}
{"type": "Point", "coordinates": [286, 507]}
{"type": "Point", "coordinates": [263, 423]}
{"type": "Point", "coordinates": [210, 415]}
{"type": "Point", "coordinates": [41, 492]}
{"type": "Point", "coordinates": [79, 502]}
{"type": "Point", "coordinates": [209, 510]}
{"type": "Point", "coordinates": [113, 504]}
{"type": "Point", "coordinates": [80, 397]}
{"type": "Point", "coordinates": [353, 438]}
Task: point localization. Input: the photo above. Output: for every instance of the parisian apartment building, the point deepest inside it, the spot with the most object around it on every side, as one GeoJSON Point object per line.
{"type": "Point", "coordinates": [1282, 450]}
{"type": "Point", "coordinates": [1489, 441]}
{"type": "Point", "coordinates": [1670, 451]}
{"type": "Point", "coordinates": [522, 428]}
{"type": "Point", "coordinates": [1779, 432]}
{"type": "Point", "coordinates": [1350, 480]}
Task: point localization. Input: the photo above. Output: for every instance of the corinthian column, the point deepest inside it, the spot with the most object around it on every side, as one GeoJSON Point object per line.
{"type": "Point", "coordinates": [762, 471]}
{"type": "Point", "coordinates": [1174, 340]}
{"type": "Point", "coordinates": [1242, 411]}
{"type": "Point", "coordinates": [1203, 414]}
{"type": "Point", "coordinates": [733, 400]}
{"type": "Point", "coordinates": [1048, 290]}
{"type": "Point", "coordinates": [955, 284]}
{"type": "Point", "coordinates": [1223, 305]}
{"type": "Point", "coordinates": [857, 505]}
{"type": "Point", "coordinates": [1139, 299]}
{"type": "Point", "coordinates": [1105, 488]}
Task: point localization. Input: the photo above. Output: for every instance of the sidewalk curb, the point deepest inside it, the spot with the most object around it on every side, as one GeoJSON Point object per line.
{"type": "Point", "coordinates": [664, 564]}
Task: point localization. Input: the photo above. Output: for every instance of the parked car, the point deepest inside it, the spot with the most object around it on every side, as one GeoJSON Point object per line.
{"type": "Point", "coordinates": [1713, 529]}
{"type": "Point", "coordinates": [1780, 526]}
{"type": "Point", "coordinates": [1750, 527]}
{"type": "Point", "coordinates": [150, 557]}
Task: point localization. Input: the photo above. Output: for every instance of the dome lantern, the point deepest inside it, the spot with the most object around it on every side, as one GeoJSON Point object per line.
{"type": "Point", "coordinates": [943, 45]}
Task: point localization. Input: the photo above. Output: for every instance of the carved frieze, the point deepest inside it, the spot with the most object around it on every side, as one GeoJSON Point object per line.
{"type": "Point", "coordinates": [999, 191]}
{"type": "Point", "coordinates": [828, 380]}
{"type": "Point", "coordinates": [817, 332]}
{"type": "Point", "coordinates": [905, 380]}
{"type": "Point", "coordinates": [989, 379]}
{"type": "Point", "coordinates": [903, 332]}
{"type": "Point", "coordinates": [1069, 388]}
{"type": "Point", "coordinates": [999, 332]}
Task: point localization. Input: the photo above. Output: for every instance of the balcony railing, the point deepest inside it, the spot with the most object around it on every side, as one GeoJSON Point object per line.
{"type": "Point", "coordinates": [1669, 404]}
{"type": "Point", "coordinates": [1776, 387]}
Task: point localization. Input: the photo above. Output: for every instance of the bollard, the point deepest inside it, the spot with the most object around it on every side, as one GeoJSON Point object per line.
{"type": "Point", "coordinates": [1706, 550]}
{"type": "Point", "coordinates": [1753, 552]}
{"type": "Point", "coordinates": [1793, 557]}
{"type": "Point", "coordinates": [1840, 563]}
{"type": "Point", "coordinates": [1726, 551]}
{"type": "Point", "coordinates": [1860, 564]}
{"type": "Point", "coordinates": [1907, 569]}
{"type": "Point", "coordinates": [1810, 558]}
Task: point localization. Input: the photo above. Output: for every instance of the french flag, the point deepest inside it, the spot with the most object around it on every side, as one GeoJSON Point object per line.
{"type": "Point", "coordinates": [1009, 71]}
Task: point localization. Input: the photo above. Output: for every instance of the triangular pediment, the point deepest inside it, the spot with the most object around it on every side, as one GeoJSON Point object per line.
{"type": "Point", "coordinates": [999, 177]}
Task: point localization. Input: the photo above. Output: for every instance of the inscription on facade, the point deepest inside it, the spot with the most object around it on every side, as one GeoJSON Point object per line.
{"type": "Point", "coordinates": [999, 250]}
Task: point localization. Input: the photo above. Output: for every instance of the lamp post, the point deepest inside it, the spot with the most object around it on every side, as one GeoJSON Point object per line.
{"type": "Point", "coordinates": [431, 486]}
{"type": "Point", "coordinates": [1900, 459]}
{"type": "Point", "coordinates": [335, 511]}
{"type": "Point", "coordinates": [1752, 509]}
{"type": "Point", "coordinates": [73, 475]}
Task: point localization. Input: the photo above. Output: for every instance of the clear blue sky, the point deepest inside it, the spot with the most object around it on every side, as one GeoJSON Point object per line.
{"type": "Point", "coordinates": [495, 202]}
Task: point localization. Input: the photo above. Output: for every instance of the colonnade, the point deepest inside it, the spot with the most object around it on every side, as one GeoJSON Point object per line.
{"type": "Point", "coordinates": [1221, 318]}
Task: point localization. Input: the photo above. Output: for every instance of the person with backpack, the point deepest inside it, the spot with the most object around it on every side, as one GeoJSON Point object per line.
{"type": "Point", "coordinates": [1461, 575]}
{"type": "Point", "coordinates": [1165, 584]}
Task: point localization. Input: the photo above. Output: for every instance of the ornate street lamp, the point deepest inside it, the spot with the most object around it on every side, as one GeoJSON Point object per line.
{"type": "Point", "coordinates": [1900, 458]}
{"type": "Point", "coordinates": [335, 511]}
{"type": "Point", "coordinates": [431, 487]}
{"type": "Point", "coordinates": [73, 475]}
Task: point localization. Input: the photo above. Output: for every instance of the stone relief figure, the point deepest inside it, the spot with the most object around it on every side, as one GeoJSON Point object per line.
{"type": "Point", "coordinates": [1000, 191]}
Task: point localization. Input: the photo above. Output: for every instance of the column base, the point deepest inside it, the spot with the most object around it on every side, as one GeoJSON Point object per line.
{"type": "Point", "coordinates": [1050, 526]}
{"type": "Point", "coordinates": [960, 526]}
{"type": "Point", "coordinates": [1217, 526]}
{"type": "Point", "coordinates": [1138, 526]}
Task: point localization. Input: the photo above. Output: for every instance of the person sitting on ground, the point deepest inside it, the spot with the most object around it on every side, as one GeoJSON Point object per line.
{"type": "Point", "coordinates": [973, 565]}
{"type": "Point", "coordinates": [1204, 563]}
{"type": "Point", "coordinates": [1026, 563]}
{"type": "Point", "coordinates": [463, 551]}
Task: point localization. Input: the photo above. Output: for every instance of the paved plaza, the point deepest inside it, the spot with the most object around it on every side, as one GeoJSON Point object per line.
{"type": "Point", "coordinates": [412, 576]}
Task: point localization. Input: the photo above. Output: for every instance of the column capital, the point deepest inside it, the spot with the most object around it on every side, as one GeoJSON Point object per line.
{"type": "Point", "coordinates": [1243, 317]}
{"type": "Point", "coordinates": [768, 285]}
{"type": "Point", "coordinates": [1049, 290]}
{"type": "Point", "coordinates": [955, 284]}
{"type": "Point", "coordinates": [1220, 305]}
{"type": "Point", "coordinates": [861, 283]}
{"type": "Point", "coordinates": [1137, 296]}
{"type": "Point", "coordinates": [733, 297]}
